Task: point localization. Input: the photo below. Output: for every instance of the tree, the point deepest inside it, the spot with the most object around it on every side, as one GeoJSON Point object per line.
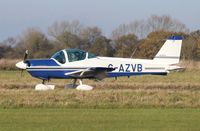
{"type": "Point", "coordinates": [198, 49]}
{"type": "Point", "coordinates": [102, 47]}
{"type": "Point", "coordinates": [66, 34]}
{"type": "Point", "coordinates": [69, 40]}
{"type": "Point", "coordinates": [59, 28]}
{"type": "Point", "coordinates": [154, 23]}
{"type": "Point", "coordinates": [6, 51]}
{"type": "Point", "coordinates": [188, 48]}
{"type": "Point", "coordinates": [136, 27]}
{"type": "Point", "coordinates": [90, 33]}
{"type": "Point", "coordinates": [191, 46]}
{"type": "Point", "coordinates": [150, 46]}
{"type": "Point", "coordinates": [125, 45]}
{"type": "Point", "coordinates": [10, 41]}
{"type": "Point", "coordinates": [34, 41]}
{"type": "Point", "coordinates": [88, 37]}
{"type": "Point", "coordinates": [6, 48]}
{"type": "Point", "coordinates": [165, 23]}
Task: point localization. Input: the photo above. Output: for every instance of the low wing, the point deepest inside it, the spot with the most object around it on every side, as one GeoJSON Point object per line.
{"type": "Point", "coordinates": [93, 72]}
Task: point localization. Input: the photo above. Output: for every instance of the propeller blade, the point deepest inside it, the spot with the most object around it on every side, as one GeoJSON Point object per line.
{"type": "Point", "coordinates": [25, 55]}
{"type": "Point", "coordinates": [22, 65]}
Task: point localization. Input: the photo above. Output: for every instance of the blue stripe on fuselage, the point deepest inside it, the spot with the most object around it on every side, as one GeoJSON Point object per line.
{"type": "Point", "coordinates": [60, 74]}
{"type": "Point", "coordinates": [118, 74]}
{"type": "Point", "coordinates": [42, 62]}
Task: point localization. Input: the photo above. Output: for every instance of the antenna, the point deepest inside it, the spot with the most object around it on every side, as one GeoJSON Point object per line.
{"type": "Point", "coordinates": [134, 52]}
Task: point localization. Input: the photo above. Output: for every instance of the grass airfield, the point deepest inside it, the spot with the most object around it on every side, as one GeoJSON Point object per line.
{"type": "Point", "coordinates": [99, 119]}
{"type": "Point", "coordinates": [139, 103]}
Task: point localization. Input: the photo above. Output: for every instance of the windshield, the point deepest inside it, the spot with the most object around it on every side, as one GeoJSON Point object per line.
{"type": "Point", "coordinates": [90, 55]}
{"type": "Point", "coordinates": [75, 55]}
{"type": "Point", "coordinates": [60, 57]}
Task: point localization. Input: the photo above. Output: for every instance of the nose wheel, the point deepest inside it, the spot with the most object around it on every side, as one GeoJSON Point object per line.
{"type": "Point", "coordinates": [44, 87]}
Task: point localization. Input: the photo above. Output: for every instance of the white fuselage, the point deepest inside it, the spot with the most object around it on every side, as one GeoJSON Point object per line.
{"type": "Point", "coordinates": [121, 65]}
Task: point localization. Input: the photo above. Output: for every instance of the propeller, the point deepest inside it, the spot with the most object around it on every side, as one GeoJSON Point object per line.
{"type": "Point", "coordinates": [24, 60]}
{"type": "Point", "coordinates": [25, 55]}
{"type": "Point", "coordinates": [22, 65]}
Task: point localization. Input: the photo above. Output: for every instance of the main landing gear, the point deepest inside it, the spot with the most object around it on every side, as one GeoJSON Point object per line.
{"type": "Point", "coordinates": [81, 86]}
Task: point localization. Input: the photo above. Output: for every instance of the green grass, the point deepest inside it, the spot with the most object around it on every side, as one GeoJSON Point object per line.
{"type": "Point", "coordinates": [177, 90]}
{"type": "Point", "coordinates": [99, 119]}
{"type": "Point", "coordinates": [187, 79]}
{"type": "Point", "coordinates": [140, 103]}
{"type": "Point", "coordinates": [111, 98]}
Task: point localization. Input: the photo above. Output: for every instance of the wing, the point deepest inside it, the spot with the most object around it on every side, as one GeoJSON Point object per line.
{"type": "Point", "coordinates": [94, 72]}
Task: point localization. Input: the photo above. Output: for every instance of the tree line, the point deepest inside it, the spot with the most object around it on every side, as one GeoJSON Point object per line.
{"type": "Point", "coordinates": [138, 39]}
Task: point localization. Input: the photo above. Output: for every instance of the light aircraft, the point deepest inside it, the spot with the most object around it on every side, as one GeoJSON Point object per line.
{"type": "Point", "coordinates": [78, 65]}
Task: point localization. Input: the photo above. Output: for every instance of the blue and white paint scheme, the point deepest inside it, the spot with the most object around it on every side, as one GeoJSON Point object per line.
{"type": "Point", "coordinates": [78, 64]}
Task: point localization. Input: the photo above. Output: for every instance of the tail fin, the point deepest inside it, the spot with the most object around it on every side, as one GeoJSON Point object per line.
{"type": "Point", "coordinates": [170, 51]}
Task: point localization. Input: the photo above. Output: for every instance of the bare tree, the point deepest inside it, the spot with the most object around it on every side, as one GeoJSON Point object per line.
{"type": "Point", "coordinates": [125, 45]}
{"type": "Point", "coordinates": [10, 41]}
{"type": "Point", "coordinates": [154, 23]}
{"type": "Point", "coordinates": [165, 23]}
{"type": "Point", "coordinates": [90, 33]}
{"type": "Point", "coordinates": [59, 28]}
{"type": "Point", "coordinates": [120, 31]}
{"type": "Point", "coordinates": [35, 41]}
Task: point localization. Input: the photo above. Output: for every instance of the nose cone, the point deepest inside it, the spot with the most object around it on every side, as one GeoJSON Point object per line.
{"type": "Point", "coordinates": [21, 65]}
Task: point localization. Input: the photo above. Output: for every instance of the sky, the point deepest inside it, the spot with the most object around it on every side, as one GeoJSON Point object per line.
{"type": "Point", "coordinates": [18, 15]}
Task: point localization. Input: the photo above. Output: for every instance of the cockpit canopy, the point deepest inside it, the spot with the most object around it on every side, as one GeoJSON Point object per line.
{"type": "Point", "coordinates": [70, 55]}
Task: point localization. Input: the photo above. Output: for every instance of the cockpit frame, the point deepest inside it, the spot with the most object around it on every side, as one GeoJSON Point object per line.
{"type": "Point", "coordinates": [71, 55]}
